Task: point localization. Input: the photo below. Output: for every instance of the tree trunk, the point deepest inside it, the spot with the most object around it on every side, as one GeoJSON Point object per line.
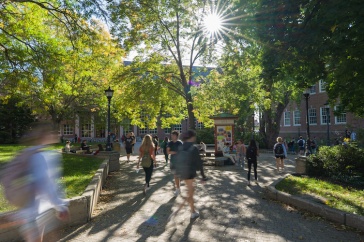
{"type": "Point", "coordinates": [270, 123]}
{"type": "Point", "coordinates": [191, 114]}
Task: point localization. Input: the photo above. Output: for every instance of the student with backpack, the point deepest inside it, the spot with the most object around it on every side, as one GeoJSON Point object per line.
{"type": "Point", "coordinates": [280, 152]}
{"type": "Point", "coordinates": [301, 145]}
{"type": "Point", "coordinates": [38, 197]}
{"type": "Point", "coordinates": [252, 152]}
{"type": "Point", "coordinates": [188, 162]}
{"type": "Point", "coordinates": [147, 158]}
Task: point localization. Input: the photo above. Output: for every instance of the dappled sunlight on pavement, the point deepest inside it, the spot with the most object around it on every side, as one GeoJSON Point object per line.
{"type": "Point", "coordinates": [229, 209]}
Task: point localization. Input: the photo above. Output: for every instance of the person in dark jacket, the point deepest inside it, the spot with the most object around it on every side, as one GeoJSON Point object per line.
{"type": "Point", "coordinates": [191, 164]}
{"type": "Point", "coordinates": [252, 153]}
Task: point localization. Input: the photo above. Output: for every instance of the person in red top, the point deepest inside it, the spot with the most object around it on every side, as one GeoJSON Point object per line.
{"type": "Point", "coordinates": [147, 146]}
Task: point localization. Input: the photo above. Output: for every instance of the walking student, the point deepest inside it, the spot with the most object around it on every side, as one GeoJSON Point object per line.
{"type": "Point", "coordinates": [147, 158]}
{"type": "Point", "coordinates": [280, 152]}
{"type": "Point", "coordinates": [172, 149]}
{"type": "Point", "coordinates": [164, 147]}
{"type": "Point", "coordinates": [128, 144]}
{"type": "Point", "coordinates": [189, 161]}
{"type": "Point", "coordinates": [252, 153]}
{"type": "Point", "coordinates": [240, 152]}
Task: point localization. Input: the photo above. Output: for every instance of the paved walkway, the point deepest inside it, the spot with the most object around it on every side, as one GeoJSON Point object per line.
{"type": "Point", "coordinates": [230, 210]}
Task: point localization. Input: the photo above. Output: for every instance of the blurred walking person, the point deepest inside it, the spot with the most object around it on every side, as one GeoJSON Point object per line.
{"type": "Point", "coordinates": [240, 152]}
{"type": "Point", "coordinates": [164, 147]}
{"type": "Point", "coordinates": [188, 162]}
{"type": "Point", "coordinates": [39, 197]}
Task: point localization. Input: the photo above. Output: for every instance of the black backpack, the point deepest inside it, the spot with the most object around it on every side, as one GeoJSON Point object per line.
{"type": "Point", "coordinates": [251, 153]}
{"type": "Point", "coordinates": [300, 143]}
{"type": "Point", "coordinates": [278, 150]}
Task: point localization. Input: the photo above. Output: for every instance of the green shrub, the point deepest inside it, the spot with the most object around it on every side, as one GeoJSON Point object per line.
{"type": "Point", "coordinates": [338, 162]}
{"type": "Point", "coordinates": [205, 135]}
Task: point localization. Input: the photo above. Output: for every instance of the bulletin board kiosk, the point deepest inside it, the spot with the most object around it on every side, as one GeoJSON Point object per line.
{"type": "Point", "coordinates": [224, 131]}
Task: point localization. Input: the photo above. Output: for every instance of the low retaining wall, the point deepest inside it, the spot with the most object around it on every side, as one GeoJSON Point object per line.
{"type": "Point", "coordinates": [81, 207]}
{"type": "Point", "coordinates": [335, 215]}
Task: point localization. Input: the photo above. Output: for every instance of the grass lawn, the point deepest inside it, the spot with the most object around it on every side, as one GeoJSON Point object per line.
{"type": "Point", "coordinates": [77, 171]}
{"type": "Point", "coordinates": [343, 198]}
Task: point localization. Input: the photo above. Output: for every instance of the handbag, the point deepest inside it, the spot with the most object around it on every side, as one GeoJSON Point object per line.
{"type": "Point", "coordinates": [146, 160]}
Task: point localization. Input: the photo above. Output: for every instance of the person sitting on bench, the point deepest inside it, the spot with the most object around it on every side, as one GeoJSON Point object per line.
{"type": "Point", "coordinates": [202, 149]}
{"type": "Point", "coordinates": [86, 147]}
{"type": "Point", "coordinates": [226, 153]}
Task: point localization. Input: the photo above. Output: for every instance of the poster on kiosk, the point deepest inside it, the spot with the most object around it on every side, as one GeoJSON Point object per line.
{"type": "Point", "coordinates": [224, 135]}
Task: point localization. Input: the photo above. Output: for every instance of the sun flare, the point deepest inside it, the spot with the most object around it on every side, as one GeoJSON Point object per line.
{"type": "Point", "coordinates": [212, 23]}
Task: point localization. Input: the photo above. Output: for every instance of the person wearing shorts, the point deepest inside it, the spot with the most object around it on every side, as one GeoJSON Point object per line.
{"type": "Point", "coordinates": [280, 153]}
{"type": "Point", "coordinates": [172, 149]}
{"type": "Point", "coordinates": [128, 144]}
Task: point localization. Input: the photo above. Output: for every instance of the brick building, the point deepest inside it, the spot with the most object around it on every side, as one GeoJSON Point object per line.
{"type": "Point", "coordinates": [293, 121]}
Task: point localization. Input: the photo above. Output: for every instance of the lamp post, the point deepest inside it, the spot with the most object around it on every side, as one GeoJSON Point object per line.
{"type": "Point", "coordinates": [306, 94]}
{"type": "Point", "coordinates": [109, 94]}
{"type": "Point", "coordinates": [327, 108]}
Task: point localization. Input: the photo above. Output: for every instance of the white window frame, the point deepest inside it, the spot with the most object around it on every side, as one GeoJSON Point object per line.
{"type": "Point", "coordinates": [322, 86]}
{"type": "Point", "coordinates": [312, 117]}
{"type": "Point", "coordinates": [167, 130]}
{"type": "Point", "coordinates": [143, 131]}
{"type": "Point", "coordinates": [68, 129]}
{"type": "Point", "coordinates": [296, 118]}
{"type": "Point", "coordinates": [323, 116]}
{"type": "Point", "coordinates": [287, 118]}
{"type": "Point", "coordinates": [86, 130]}
{"type": "Point", "coordinates": [341, 116]}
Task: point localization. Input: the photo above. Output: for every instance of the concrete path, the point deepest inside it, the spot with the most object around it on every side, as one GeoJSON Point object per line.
{"type": "Point", "coordinates": [230, 210]}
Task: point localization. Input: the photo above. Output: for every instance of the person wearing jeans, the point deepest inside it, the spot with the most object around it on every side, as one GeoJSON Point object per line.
{"type": "Point", "coordinates": [147, 146]}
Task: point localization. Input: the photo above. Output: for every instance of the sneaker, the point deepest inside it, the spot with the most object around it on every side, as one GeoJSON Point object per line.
{"type": "Point", "coordinates": [177, 192]}
{"type": "Point", "coordinates": [256, 181]}
{"type": "Point", "coordinates": [195, 215]}
{"type": "Point", "coordinates": [204, 179]}
{"type": "Point", "coordinates": [145, 189]}
{"type": "Point", "coordinates": [248, 183]}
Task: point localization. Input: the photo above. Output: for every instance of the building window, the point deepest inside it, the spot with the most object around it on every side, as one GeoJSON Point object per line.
{"type": "Point", "coordinates": [86, 130]}
{"type": "Point", "coordinates": [341, 119]}
{"type": "Point", "coordinates": [312, 116]}
{"type": "Point", "coordinates": [313, 89]}
{"type": "Point", "coordinates": [322, 85]}
{"type": "Point", "coordinates": [143, 131]}
{"type": "Point", "coordinates": [199, 125]}
{"type": "Point", "coordinates": [297, 118]}
{"type": "Point", "coordinates": [324, 116]}
{"type": "Point", "coordinates": [167, 130]}
{"type": "Point", "coordinates": [67, 129]}
{"type": "Point", "coordinates": [287, 118]}
{"type": "Point", "coordinates": [177, 127]}
{"type": "Point", "coordinates": [153, 131]}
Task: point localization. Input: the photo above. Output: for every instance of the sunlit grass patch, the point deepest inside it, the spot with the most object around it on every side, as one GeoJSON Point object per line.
{"type": "Point", "coordinates": [347, 199]}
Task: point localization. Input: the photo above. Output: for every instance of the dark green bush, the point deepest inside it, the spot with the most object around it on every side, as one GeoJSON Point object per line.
{"type": "Point", "coordinates": [205, 135]}
{"type": "Point", "coordinates": [338, 162]}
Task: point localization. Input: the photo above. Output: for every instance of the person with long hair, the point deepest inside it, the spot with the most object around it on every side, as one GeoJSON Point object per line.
{"type": "Point", "coordinates": [252, 152]}
{"type": "Point", "coordinates": [147, 149]}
